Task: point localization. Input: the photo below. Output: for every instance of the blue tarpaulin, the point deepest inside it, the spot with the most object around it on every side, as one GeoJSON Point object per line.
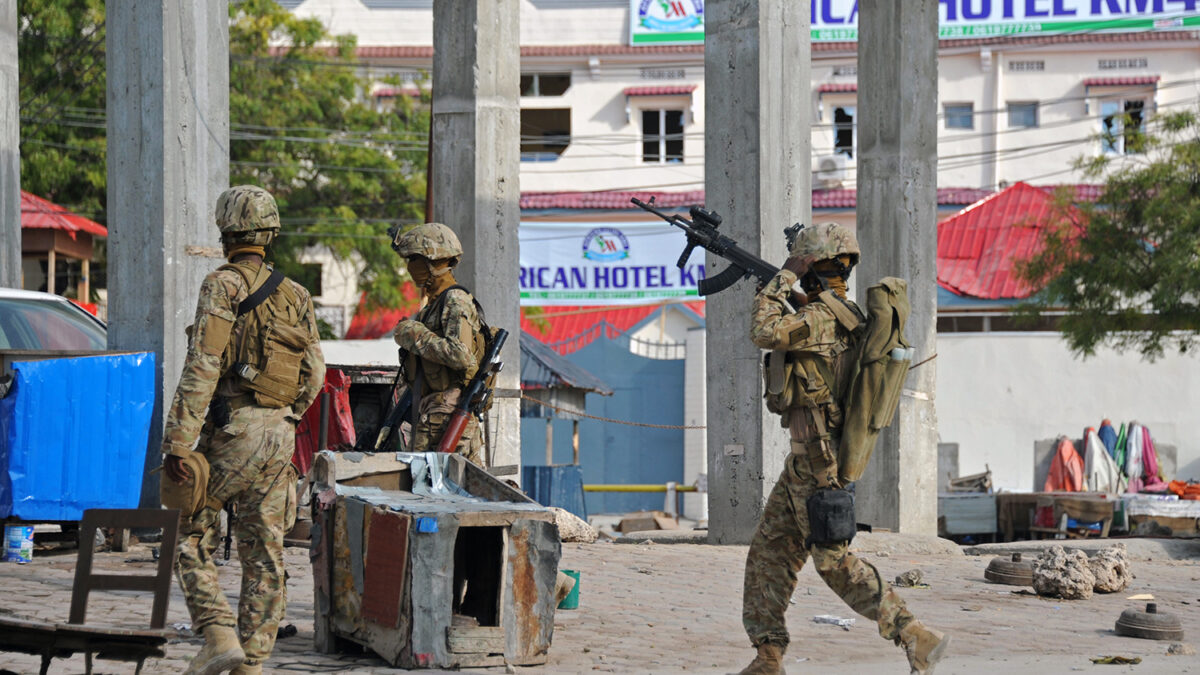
{"type": "Point", "coordinates": [73, 435]}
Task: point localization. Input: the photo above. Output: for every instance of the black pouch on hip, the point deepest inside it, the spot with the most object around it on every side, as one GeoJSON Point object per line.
{"type": "Point", "coordinates": [831, 516]}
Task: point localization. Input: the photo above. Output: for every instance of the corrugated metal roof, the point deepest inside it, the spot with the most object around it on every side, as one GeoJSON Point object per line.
{"type": "Point", "coordinates": [837, 87]}
{"type": "Point", "coordinates": [543, 368]}
{"type": "Point", "coordinates": [1127, 81]}
{"type": "Point", "coordinates": [978, 247]}
{"type": "Point", "coordinates": [568, 329]}
{"type": "Point", "coordinates": [662, 90]}
{"type": "Point", "coordinates": [40, 214]}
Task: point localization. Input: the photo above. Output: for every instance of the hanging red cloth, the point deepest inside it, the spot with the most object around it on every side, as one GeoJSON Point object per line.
{"type": "Point", "coordinates": [1066, 471]}
{"type": "Point", "coordinates": [341, 424]}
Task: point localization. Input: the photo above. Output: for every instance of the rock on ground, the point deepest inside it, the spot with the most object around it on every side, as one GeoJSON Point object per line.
{"type": "Point", "coordinates": [1066, 575]}
{"type": "Point", "coordinates": [1111, 569]}
{"type": "Point", "coordinates": [573, 528]}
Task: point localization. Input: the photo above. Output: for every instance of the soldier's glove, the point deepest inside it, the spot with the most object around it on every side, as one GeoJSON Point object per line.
{"type": "Point", "coordinates": [408, 332]}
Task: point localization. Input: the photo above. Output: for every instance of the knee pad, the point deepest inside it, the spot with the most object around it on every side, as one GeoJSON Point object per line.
{"type": "Point", "coordinates": [831, 516]}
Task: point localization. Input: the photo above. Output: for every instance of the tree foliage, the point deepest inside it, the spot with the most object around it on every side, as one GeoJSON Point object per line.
{"type": "Point", "coordinates": [1126, 268]}
{"type": "Point", "coordinates": [302, 125]}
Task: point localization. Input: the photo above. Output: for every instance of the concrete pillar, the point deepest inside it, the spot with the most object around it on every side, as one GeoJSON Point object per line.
{"type": "Point", "coordinates": [757, 175]}
{"type": "Point", "coordinates": [475, 181]}
{"type": "Point", "coordinates": [10, 149]}
{"type": "Point", "coordinates": [897, 231]}
{"type": "Point", "coordinates": [168, 160]}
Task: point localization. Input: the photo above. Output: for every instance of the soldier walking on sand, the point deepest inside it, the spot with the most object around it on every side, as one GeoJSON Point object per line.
{"type": "Point", "coordinates": [253, 367]}
{"type": "Point", "coordinates": [815, 344]}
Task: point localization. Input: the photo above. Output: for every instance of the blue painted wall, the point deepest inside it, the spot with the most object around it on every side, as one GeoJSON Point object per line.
{"type": "Point", "coordinates": [644, 390]}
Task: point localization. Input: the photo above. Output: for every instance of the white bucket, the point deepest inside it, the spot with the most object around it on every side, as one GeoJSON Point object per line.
{"type": "Point", "coordinates": [18, 543]}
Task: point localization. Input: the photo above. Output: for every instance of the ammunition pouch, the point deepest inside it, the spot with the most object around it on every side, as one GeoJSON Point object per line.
{"type": "Point", "coordinates": [191, 496]}
{"type": "Point", "coordinates": [795, 380]}
{"type": "Point", "coordinates": [831, 516]}
{"type": "Point", "coordinates": [275, 380]}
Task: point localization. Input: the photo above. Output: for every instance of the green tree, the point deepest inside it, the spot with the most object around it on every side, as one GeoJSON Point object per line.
{"type": "Point", "coordinates": [1126, 268]}
{"type": "Point", "coordinates": [302, 125]}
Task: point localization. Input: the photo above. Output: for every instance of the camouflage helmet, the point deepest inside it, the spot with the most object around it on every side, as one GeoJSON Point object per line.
{"type": "Point", "coordinates": [434, 241]}
{"type": "Point", "coordinates": [246, 208]}
{"type": "Point", "coordinates": [825, 241]}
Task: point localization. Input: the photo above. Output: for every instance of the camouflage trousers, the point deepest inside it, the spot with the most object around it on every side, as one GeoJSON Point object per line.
{"type": "Point", "coordinates": [432, 422]}
{"type": "Point", "coordinates": [251, 469]}
{"type": "Point", "coordinates": [778, 551]}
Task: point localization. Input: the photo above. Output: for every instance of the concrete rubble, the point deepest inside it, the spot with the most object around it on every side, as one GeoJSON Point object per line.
{"type": "Point", "coordinates": [1057, 573]}
{"type": "Point", "coordinates": [572, 528]}
{"type": "Point", "coordinates": [1111, 569]}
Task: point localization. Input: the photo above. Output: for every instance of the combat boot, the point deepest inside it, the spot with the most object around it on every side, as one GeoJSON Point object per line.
{"type": "Point", "coordinates": [923, 646]}
{"type": "Point", "coordinates": [247, 670]}
{"type": "Point", "coordinates": [221, 652]}
{"type": "Point", "coordinates": [768, 662]}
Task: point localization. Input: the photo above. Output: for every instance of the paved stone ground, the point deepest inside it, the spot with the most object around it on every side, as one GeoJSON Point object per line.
{"type": "Point", "coordinates": [675, 609]}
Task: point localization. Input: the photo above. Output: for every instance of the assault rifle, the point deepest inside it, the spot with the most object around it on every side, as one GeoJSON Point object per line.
{"type": "Point", "coordinates": [476, 396]}
{"type": "Point", "coordinates": [394, 416]}
{"type": "Point", "coordinates": [702, 231]}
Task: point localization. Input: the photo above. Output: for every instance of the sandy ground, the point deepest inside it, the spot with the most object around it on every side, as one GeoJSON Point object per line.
{"type": "Point", "coordinates": [648, 608]}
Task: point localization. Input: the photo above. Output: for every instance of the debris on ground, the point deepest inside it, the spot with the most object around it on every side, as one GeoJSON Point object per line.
{"type": "Point", "coordinates": [572, 528]}
{"type": "Point", "coordinates": [834, 620]}
{"type": "Point", "coordinates": [1111, 569]}
{"type": "Point", "coordinates": [1058, 573]}
{"type": "Point", "coordinates": [910, 578]}
{"type": "Point", "coordinates": [1181, 649]}
{"type": "Point", "coordinates": [287, 631]}
{"type": "Point", "coordinates": [1141, 596]}
{"type": "Point", "coordinates": [1117, 660]}
{"type": "Point", "coordinates": [642, 521]}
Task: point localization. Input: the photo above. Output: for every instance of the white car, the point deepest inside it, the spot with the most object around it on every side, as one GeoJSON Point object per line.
{"type": "Point", "coordinates": [31, 321]}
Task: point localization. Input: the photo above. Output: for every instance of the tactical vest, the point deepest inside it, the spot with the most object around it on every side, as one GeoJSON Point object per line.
{"type": "Point", "coordinates": [267, 355]}
{"type": "Point", "coordinates": [439, 377]}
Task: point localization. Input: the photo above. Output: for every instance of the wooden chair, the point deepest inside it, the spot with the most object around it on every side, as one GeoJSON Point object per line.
{"type": "Point", "coordinates": [109, 642]}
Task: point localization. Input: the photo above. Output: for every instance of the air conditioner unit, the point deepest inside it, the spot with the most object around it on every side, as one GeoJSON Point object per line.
{"type": "Point", "coordinates": [829, 171]}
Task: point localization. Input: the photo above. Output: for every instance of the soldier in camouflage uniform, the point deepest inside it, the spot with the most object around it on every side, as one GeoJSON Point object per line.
{"type": "Point", "coordinates": [816, 345]}
{"type": "Point", "coordinates": [245, 431]}
{"type": "Point", "coordinates": [444, 341]}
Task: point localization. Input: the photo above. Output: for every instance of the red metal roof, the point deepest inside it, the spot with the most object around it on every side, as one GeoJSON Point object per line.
{"type": "Point", "coordinates": [40, 214]}
{"type": "Point", "coordinates": [837, 87]}
{"type": "Point", "coordinates": [978, 247]}
{"type": "Point", "coordinates": [371, 324]}
{"type": "Point", "coordinates": [569, 329]}
{"type": "Point", "coordinates": [1127, 81]}
{"type": "Point", "coordinates": [660, 90]}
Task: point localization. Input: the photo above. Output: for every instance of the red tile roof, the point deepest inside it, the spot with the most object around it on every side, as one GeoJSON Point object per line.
{"type": "Point", "coordinates": [426, 51]}
{"type": "Point", "coordinates": [660, 90]}
{"type": "Point", "coordinates": [40, 214]}
{"type": "Point", "coordinates": [606, 200]}
{"type": "Point", "coordinates": [837, 87]}
{"type": "Point", "coordinates": [1129, 80]}
{"type": "Point", "coordinates": [978, 247]}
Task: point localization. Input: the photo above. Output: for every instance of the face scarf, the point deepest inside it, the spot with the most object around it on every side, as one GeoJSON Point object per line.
{"type": "Point", "coordinates": [830, 272]}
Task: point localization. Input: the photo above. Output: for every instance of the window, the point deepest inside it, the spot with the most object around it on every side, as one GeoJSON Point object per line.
{"type": "Point", "coordinates": [662, 136]}
{"type": "Point", "coordinates": [960, 115]}
{"type": "Point", "coordinates": [545, 133]}
{"type": "Point", "coordinates": [1122, 120]}
{"type": "Point", "coordinates": [545, 84]}
{"type": "Point", "coordinates": [1022, 114]}
{"type": "Point", "coordinates": [309, 276]}
{"type": "Point", "coordinates": [844, 130]}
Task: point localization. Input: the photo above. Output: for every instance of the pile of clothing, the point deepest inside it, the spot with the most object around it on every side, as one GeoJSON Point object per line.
{"type": "Point", "coordinates": [1188, 490]}
{"type": "Point", "coordinates": [1114, 461]}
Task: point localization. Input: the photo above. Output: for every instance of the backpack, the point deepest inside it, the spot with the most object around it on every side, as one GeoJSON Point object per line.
{"type": "Point", "coordinates": [267, 359]}
{"type": "Point", "coordinates": [882, 360]}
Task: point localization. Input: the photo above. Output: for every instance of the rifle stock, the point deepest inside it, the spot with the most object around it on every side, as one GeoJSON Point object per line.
{"type": "Point", "coordinates": [475, 395]}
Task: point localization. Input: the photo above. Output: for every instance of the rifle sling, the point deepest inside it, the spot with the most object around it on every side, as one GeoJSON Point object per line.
{"type": "Point", "coordinates": [259, 295]}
